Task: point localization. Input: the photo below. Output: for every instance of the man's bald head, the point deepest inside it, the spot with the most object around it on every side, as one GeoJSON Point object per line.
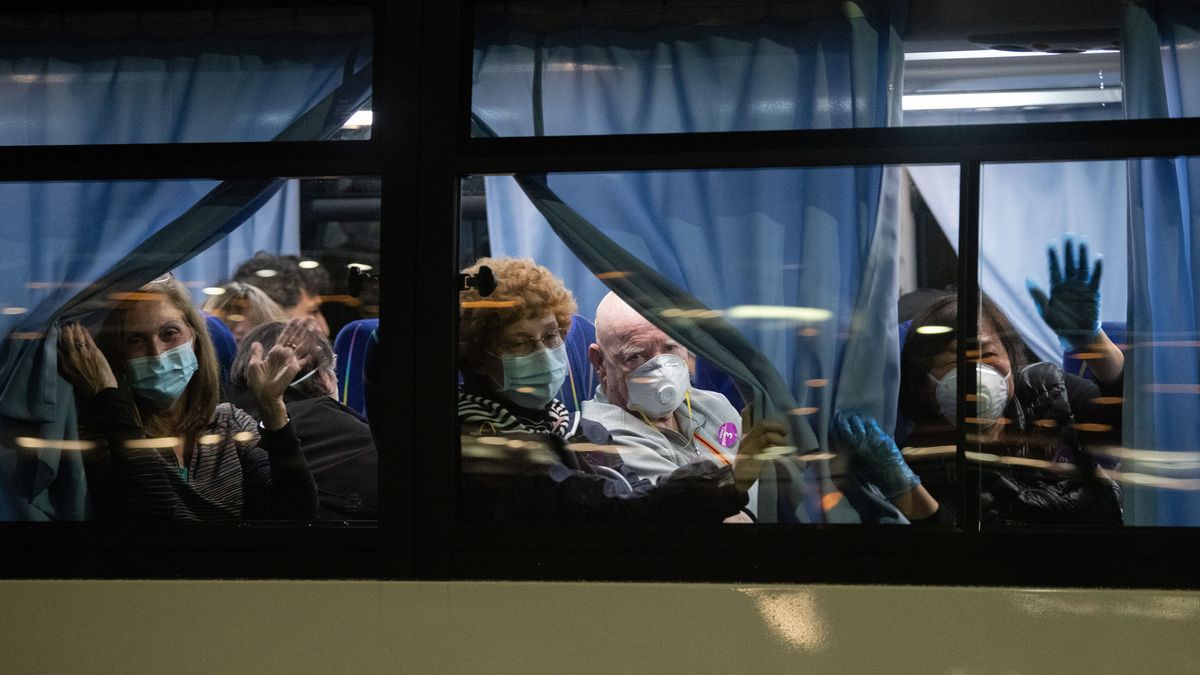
{"type": "Point", "coordinates": [624, 341]}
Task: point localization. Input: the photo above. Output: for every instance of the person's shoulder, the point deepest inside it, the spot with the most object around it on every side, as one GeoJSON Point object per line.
{"type": "Point", "coordinates": [714, 401]}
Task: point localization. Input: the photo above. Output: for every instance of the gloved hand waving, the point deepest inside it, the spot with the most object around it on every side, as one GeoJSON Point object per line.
{"type": "Point", "coordinates": [1072, 309]}
{"type": "Point", "coordinates": [873, 454]}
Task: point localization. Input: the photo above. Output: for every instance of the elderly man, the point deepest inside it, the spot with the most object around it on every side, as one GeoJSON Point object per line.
{"type": "Point", "coordinates": [646, 401]}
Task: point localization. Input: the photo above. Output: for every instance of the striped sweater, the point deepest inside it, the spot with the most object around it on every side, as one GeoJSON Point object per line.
{"type": "Point", "coordinates": [234, 472]}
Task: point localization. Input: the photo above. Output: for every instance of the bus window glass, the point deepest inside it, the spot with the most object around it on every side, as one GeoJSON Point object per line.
{"type": "Point", "coordinates": [1087, 360]}
{"type": "Point", "coordinates": [544, 70]}
{"type": "Point", "coordinates": [186, 76]}
{"type": "Point", "coordinates": [689, 346]}
{"type": "Point", "coordinates": [188, 350]}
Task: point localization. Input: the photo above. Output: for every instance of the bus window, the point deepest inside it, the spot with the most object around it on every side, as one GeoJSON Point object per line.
{"type": "Point", "coordinates": [220, 385]}
{"type": "Point", "coordinates": [634, 331]}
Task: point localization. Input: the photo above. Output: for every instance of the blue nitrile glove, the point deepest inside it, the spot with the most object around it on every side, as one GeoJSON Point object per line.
{"type": "Point", "coordinates": [1073, 308]}
{"type": "Point", "coordinates": [873, 454]}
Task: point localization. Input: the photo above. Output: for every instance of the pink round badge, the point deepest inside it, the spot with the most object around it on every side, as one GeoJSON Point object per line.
{"type": "Point", "coordinates": [727, 435]}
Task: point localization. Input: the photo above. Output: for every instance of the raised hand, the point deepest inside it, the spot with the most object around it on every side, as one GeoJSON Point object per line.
{"type": "Point", "coordinates": [269, 375]}
{"type": "Point", "coordinates": [873, 454]}
{"type": "Point", "coordinates": [81, 362]}
{"type": "Point", "coordinates": [758, 437]}
{"type": "Point", "coordinates": [1072, 309]}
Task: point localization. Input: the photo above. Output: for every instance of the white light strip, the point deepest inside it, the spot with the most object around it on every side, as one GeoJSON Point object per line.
{"type": "Point", "coordinates": [1011, 99]}
{"type": "Point", "coordinates": [362, 118]}
{"type": "Point", "coordinates": [988, 54]}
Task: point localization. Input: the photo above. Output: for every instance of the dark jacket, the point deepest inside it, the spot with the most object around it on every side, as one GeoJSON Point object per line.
{"type": "Point", "coordinates": [522, 465]}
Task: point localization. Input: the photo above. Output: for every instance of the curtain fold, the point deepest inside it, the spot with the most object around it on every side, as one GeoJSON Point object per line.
{"type": "Point", "coordinates": [1162, 369]}
{"type": "Point", "coordinates": [145, 229]}
{"type": "Point", "coordinates": [697, 241]}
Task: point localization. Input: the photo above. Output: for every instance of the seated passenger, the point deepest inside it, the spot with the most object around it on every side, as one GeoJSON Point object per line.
{"type": "Point", "coordinates": [296, 289]}
{"type": "Point", "coordinates": [645, 398]}
{"type": "Point", "coordinates": [167, 450]}
{"type": "Point", "coordinates": [243, 307]}
{"type": "Point", "coordinates": [1026, 411]}
{"type": "Point", "coordinates": [335, 440]}
{"type": "Point", "coordinates": [554, 465]}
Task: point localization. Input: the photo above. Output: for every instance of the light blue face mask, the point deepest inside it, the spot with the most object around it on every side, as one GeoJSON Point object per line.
{"type": "Point", "coordinates": [159, 381]}
{"type": "Point", "coordinates": [532, 380]}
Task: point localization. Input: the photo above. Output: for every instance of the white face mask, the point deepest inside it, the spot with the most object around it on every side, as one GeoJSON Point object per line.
{"type": "Point", "coordinates": [657, 387]}
{"type": "Point", "coordinates": [992, 388]}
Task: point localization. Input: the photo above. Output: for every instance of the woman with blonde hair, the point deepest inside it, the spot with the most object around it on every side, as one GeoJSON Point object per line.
{"type": "Point", "coordinates": [148, 387]}
{"type": "Point", "coordinates": [243, 307]}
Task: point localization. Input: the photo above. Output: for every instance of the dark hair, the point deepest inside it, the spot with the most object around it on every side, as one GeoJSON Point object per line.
{"type": "Point", "coordinates": [266, 335]}
{"type": "Point", "coordinates": [289, 280]}
{"type": "Point", "coordinates": [920, 350]}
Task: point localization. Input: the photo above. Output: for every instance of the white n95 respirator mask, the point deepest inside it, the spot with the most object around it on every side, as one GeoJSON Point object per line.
{"type": "Point", "coordinates": [658, 386]}
{"type": "Point", "coordinates": [991, 387]}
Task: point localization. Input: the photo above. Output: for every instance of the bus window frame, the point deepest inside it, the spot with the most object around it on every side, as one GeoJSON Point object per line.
{"type": "Point", "coordinates": [420, 152]}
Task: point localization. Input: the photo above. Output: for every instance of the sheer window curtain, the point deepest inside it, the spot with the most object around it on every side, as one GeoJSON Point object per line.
{"type": "Point", "coordinates": [1161, 58]}
{"type": "Point", "coordinates": [820, 238]}
{"type": "Point", "coordinates": [72, 242]}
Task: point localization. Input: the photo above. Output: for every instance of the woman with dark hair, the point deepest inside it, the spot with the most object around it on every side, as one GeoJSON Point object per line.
{"type": "Point", "coordinates": [1033, 418]}
{"type": "Point", "coordinates": [148, 388]}
{"type": "Point", "coordinates": [1037, 419]}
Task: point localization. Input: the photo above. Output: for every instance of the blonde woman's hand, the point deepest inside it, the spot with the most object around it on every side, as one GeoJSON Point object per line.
{"type": "Point", "coordinates": [81, 362]}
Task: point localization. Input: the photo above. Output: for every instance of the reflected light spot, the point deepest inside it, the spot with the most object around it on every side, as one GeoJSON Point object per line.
{"type": "Point", "coordinates": [1095, 427]}
{"type": "Point", "coordinates": [361, 267]}
{"type": "Point", "coordinates": [343, 299]}
{"type": "Point", "coordinates": [266, 274]}
{"type": "Point", "coordinates": [243, 436]}
{"type": "Point", "coordinates": [31, 335]}
{"type": "Point", "coordinates": [1046, 424]}
{"type": "Point", "coordinates": [612, 275]}
{"type": "Point", "coordinates": [213, 290]}
{"type": "Point", "coordinates": [934, 330]}
{"type": "Point", "coordinates": [972, 397]}
{"type": "Point", "coordinates": [133, 296]}
{"type": "Point", "coordinates": [488, 304]}
{"type": "Point", "coordinates": [830, 500]}
{"type": "Point", "coordinates": [525, 390]}
{"type": "Point", "coordinates": [809, 332]}
{"type": "Point", "coordinates": [1173, 388]}
{"type": "Point", "coordinates": [676, 313]}
{"type": "Point", "coordinates": [47, 443]}
{"type": "Point", "coordinates": [778, 312]}
{"type": "Point", "coordinates": [1087, 356]}
{"type": "Point", "coordinates": [792, 616]}
{"type": "Point", "coordinates": [153, 443]}
{"type": "Point", "coordinates": [235, 318]}
{"type": "Point", "coordinates": [309, 264]}
{"type": "Point", "coordinates": [209, 439]}
{"type": "Point", "coordinates": [816, 383]}
{"type": "Point", "coordinates": [1108, 400]}
{"type": "Point", "coordinates": [988, 421]}
{"type": "Point", "coordinates": [803, 411]}
{"type": "Point", "coordinates": [12, 311]}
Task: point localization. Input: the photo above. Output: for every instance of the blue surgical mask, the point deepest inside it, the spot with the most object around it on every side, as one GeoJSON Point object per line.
{"type": "Point", "coordinates": [158, 381]}
{"type": "Point", "coordinates": [532, 380]}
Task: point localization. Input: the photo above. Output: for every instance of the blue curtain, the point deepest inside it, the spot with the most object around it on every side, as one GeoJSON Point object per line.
{"type": "Point", "coordinates": [1023, 208]}
{"type": "Point", "coordinates": [816, 238]}
{"type": "Point", "coordinates": [1161, 59]}
{"type": "Point", "coordinates": [66, 240]}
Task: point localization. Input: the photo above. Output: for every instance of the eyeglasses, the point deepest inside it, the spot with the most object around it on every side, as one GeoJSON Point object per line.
{"type": "Point", "coordinates": [520, 346]}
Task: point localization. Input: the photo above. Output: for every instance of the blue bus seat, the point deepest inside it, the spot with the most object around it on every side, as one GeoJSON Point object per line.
{"type": "Point", "coordinates": [224, 345]}
{"type": "Point", "coordinates": [580, 384]}
{"type": "Point", "coordinates": [350, 346]}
